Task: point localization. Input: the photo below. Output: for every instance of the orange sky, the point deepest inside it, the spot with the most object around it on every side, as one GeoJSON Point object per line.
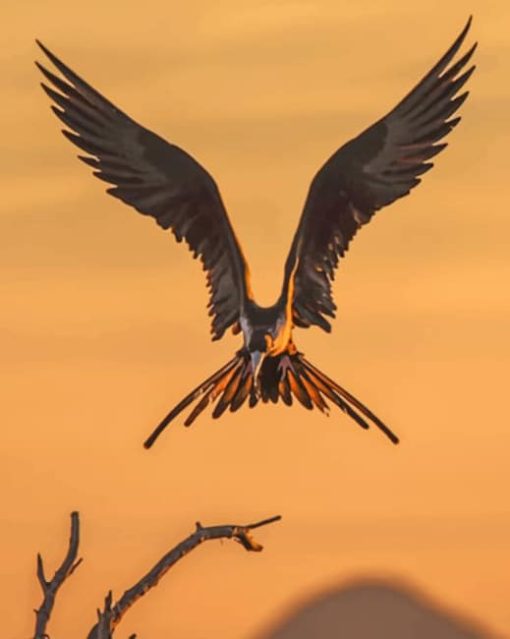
{"type": "Point", "coordinates": [104, 329]}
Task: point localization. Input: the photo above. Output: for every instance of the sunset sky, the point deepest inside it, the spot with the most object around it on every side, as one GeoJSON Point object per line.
{"type": "Point", "coordinates": [104, 326]}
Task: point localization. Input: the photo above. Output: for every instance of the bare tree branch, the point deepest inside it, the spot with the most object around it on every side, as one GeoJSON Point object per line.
{"type": "Point", "coordinates": [104, 623]}
{"type": "Point", "coordinates": [50, 588]}
{"type": "Point", "coordinates": [111, 616]}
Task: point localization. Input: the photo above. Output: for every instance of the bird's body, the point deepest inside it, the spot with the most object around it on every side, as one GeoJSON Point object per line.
{"type": "Point", "coordinates": [160, 180]}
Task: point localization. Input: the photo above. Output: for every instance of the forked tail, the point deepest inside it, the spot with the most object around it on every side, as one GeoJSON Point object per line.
{"type": "Point", "coordinates": [283, 377]}
{"type": "Point", "coordinates": [234, 380]}
{"type": "Point", "coordinates": [344, 400]}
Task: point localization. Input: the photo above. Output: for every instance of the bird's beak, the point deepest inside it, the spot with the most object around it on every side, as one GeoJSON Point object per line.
{"type": "Point", "coordinates": [257, 357]}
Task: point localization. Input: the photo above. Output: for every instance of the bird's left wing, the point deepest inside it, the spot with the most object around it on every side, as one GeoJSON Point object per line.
{"type": "Point", "coordinates": [380, 165]}
{"type": "Point", "coordinates": [158, 179]}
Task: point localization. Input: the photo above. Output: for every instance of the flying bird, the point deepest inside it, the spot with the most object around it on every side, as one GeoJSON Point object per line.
{"type": "Point", "coordinates": [161, 180]}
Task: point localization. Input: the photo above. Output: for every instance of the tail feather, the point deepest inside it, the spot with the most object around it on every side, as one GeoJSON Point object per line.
{"type": "Point", "coordinates": [209, 397]}
{"type": "Point", "coordinates": [284, 390]}
{"type": "Point", "coordinates": [245, 389]}
{"type": "Point", "coordinates": [269, 380]}
{"type": "Point", "coordinates": [254, 398]}
{"type": "Point", "coordinates": [314, 392]}
{"type": "Point", "coordinates": [273, 392]}
{"type": "Point", "coordinates": [335, 398]}
{"type": "Point", "coordinates": [195, 394]}
{"type": "Point", "coordinates": [199, 408]}
{"type": "Point", "coordinates": [297, 388]}
{"type": "Point", "coordinates": [285, 376]}
{"type": "Point", "coordinates": [352, 400]}
{"type": "Point", "coordinates": [230, 391]}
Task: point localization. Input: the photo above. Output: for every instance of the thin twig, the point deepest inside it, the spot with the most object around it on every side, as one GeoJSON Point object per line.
{"type": "Point", "coordinates": [103, 627]}
{"type": "Point", "coordinates": [50, 588]}
{"type": "Point", "coordinates": [112, 615]}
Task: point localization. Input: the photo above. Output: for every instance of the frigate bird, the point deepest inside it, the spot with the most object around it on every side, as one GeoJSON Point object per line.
{"type": "Point", "coordinates": [161, 180]}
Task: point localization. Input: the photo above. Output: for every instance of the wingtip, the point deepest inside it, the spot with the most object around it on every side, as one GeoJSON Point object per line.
{"type": "Point", "coordinates": [468, 24]}
{"type": "Point", "coordinates": [461, 37]}
{"type": "Point", "coordinates": [43, 49]}
{"type": "Point", "coordinates": [465, 30]}
{"type": "Point", "coordinates": [51, 56]}
{"type": "Point", "coordinates": [41, 68]}
{"type": "Point", "coordinates": [474, 47]}
{"type": "Point", "coordinates": [41, 46]}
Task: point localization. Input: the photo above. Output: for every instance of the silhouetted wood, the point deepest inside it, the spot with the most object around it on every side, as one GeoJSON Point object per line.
{"type": "Point", "coordinates": [103, 628]}
{"type": "Point", "coordinates": [50, 588]}
{"type": "Point", "coordinates": [111, 614]}
{"type": "Point", "coordinates": [374, 607]}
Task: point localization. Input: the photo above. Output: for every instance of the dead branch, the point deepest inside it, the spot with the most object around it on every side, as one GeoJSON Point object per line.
{"type": "Point", "coordinates": [110, 616]}
{"type": "Point", "coordinates": [104, 619]}
{"type": "Point", "coordinates": [50, 588]}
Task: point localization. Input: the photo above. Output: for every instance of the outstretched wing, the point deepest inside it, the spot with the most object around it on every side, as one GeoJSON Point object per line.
{"type": "Point", "coordinates": [380, 165]}
{"type": "Point", "coordinates": [158, 179]}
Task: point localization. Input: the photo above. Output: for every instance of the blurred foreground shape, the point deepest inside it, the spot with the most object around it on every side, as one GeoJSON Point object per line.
{"type": "Point", "coordinates": [374, 610]}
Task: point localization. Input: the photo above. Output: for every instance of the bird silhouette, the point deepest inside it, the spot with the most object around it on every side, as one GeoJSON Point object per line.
{"type": "Point", "coordinates": [161, 180]}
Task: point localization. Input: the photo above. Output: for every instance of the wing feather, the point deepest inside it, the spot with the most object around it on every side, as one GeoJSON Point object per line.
{"type": "Point", "coordinates": [157, 179]}
{"type": "Point", "coordinates": [382, 164]}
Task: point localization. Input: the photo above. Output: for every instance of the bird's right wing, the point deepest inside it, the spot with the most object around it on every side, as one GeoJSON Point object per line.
{"type": "Point", "coordinates": [157, 179]}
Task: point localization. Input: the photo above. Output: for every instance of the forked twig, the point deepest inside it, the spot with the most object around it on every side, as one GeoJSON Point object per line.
{"type": "Point", "coordinates": [50, 588]}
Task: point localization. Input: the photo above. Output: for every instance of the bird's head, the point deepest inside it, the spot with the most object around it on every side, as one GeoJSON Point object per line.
{"type": "Point", "coordinates": [259, 345]}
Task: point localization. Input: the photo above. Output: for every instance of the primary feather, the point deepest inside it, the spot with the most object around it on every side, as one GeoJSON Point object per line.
{"type": "Point", "coordinates": [371, 171]}
{"type": "Point", "coordinates": [158, 179]}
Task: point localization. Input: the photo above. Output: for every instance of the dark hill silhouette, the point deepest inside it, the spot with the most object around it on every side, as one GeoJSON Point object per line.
{"type": "Point", "coordinates": [373, 610]}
